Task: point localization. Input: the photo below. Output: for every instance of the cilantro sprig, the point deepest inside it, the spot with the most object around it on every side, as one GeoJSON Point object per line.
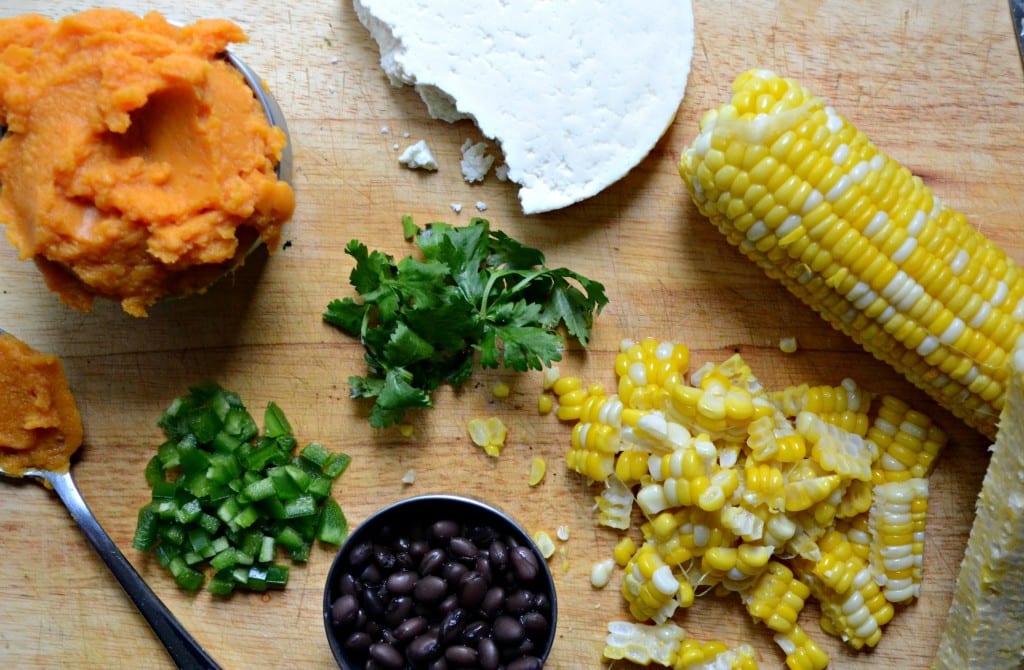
{"type": "Point", "coordinates": [422, 321]}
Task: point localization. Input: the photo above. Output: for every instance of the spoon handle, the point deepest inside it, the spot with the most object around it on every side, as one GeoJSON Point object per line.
{"type": "Point", "coordinates": [186, 652]}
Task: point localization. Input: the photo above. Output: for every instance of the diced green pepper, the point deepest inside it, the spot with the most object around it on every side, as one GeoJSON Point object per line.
{"type": "Point", "coordinates": [225, 496]}
{"type": "Point", "coordinates": [333, 526]}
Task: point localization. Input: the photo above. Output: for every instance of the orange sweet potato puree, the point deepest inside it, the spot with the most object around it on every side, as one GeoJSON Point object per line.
{"type": "Point", "coordinates": [137, 164]}
{"type": "Point", "coordinates": [39, 422]}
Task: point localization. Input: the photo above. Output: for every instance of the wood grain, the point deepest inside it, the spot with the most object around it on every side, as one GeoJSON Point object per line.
{"type": "Point", "coordinates": [937, 85]}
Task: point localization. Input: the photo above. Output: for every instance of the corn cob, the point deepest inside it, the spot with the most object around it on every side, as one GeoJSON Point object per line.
{"type": "Point", "coordinates": [861, 240]}
{"type": "Point", "coordinates": [984, 629]}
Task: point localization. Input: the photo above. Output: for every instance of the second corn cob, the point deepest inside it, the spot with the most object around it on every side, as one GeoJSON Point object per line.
{"type": "Point", "coordinates": [861, 240]}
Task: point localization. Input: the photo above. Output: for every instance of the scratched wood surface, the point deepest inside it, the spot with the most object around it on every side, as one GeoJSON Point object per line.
{"type": "Point", "coordinates": [938, 85]}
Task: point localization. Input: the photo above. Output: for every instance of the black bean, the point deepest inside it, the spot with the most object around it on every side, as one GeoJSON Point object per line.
{"type": "Point", "coordinates": [463, 548]}
{"type": "Point", "coordinates": [360, 554]}
{"type": "Point", "coordinates": [439, 664]}
{"type": "Point", "coordinates": [519, 601]}
{"type": "Point", "coordinates": [498, 555]}
{"type": "Point", "coordinates": [460, 654]}
{"type": "Point", "coordinates": [483, 566]}
{"type": "Point", "coordinates": [507, 631]}
{"type": "Point", "coordinates": [453, 624]}
{"type": "Point", "coordinates": [398, 610]}
{"type": "Point", "coordinates": [526, 663]}
{"type": "Point", "coordinates": [345, 610]}
{"type": "Point", "coordinates": [524, 648]}
{"type": "Point", "coordinates": [448, 604]}
{"type": "Point", "coordinates": [404, 560]}
{"type": "Point", "coordinates": [417, 548]}
{"type": "Point", "coordinates": [472, 588]}
{"type": "Point", "coordinates": [400, 544]}
{"type": "Point", "coordinates": [424, 648]}
{"type": "Point", "coordinates": [384, 558]}
{"type": "Point", "coordinates": [524, 564]}
{"type": "Point", "coordinates": [410, 628]}
{"type": "Point", "coordinates": [348, 584]}
{"type": "Point", "coordinates": [386, 655]}
{"type": "Point", "coordinates": [536, 624]}
{"type": "Point", "coordinates": [481, 535]}
{"type": "Point", "coordinates": [444, 529]}
{"type": "Point", "coordinates": [487, 654]}
{"type": "Point", "coordinates": [476, 631]}
{"type": "Point", "coordinates": [430, 589]}
{"type": "Point", "coordinates": [454, 572]}
{"type": "Point", "coordinates": [358, 641]}
{"type": "Point", "coordinates": [493, 601]}
{"type": "Point", "coordinates": [542, 603]}
{"type": "Point", "coordinates": [401, 582]}
{"type": "Point", "coordinates": [372, 603]}
{"type": "Point", "coordinates": [432, 562]}
{"type": "Point", "coordinates": [371, 575]}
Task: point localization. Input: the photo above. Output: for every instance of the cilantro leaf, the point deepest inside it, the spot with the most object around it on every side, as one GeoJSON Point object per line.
{"type": "Point", "coordinates": [475, 291]}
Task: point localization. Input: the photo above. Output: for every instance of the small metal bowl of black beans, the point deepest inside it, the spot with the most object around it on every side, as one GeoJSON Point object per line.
{"type": "Point", "coordinates": [440, 582]}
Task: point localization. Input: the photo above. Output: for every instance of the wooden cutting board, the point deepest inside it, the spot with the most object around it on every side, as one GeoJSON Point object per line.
{"type": "Point", "coordinates": [938, 85]}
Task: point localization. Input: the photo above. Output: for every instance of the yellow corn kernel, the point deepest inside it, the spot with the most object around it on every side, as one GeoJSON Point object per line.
{"type": "Point", "coordinates": [857, 531]}
{"type": "Point", "coordinates": [544, 543]}
{"type": "Point", "coordinates": [857, 236]}
{"type": "Point", "coordinates": [631, 466]}
{"type": "Point", "coordinates": [597, 437]}
{"type": "Point", "coordinates": [624, 550]}
{"type": "Point", "coordinates": [565, 385]}
{"type": "Point", "coordinates": [777, 597]}
{"type": "Point", "coordinates": [406, 429]}
{"type": "Point", "coordinates": [802, 653]}
{"type": "Point", "coordinates": [538, 467]}
{"type": "Point", "coordinates": [764, 485]}
{"type": "Point", "coordinates": [856, 499]}
{"type": "Point", "coordinates": [545, 404]}
{"type": "Point", "coordinates": [501, 390]}
{"type": "Point", "coordinates": [594, 465]}
{"type": "Point", "coordinates": [803, 494]}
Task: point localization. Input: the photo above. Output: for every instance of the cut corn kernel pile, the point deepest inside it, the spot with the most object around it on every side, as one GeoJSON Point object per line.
{"type": "Point", "coordinates": [861, 240]}
{"type": "Point", "coordinates": [777, 496]}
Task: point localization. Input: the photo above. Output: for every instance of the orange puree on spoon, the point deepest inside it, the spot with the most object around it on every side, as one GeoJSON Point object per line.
{"type": "Point", "coordinates": [137, 163]}
{"type": "Point", "coordinates": [40, 426]}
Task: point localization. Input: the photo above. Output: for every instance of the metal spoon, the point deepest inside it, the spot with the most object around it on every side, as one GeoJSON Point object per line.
{"type": "Point", "coordinates": [185, 651]}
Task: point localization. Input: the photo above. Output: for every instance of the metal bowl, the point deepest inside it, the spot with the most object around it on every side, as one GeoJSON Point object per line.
{"type": "Point", "coordinates": [417, 514]}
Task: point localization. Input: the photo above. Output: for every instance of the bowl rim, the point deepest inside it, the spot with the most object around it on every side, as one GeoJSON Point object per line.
{"type": "Point", "coordinates": [472, 504]}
